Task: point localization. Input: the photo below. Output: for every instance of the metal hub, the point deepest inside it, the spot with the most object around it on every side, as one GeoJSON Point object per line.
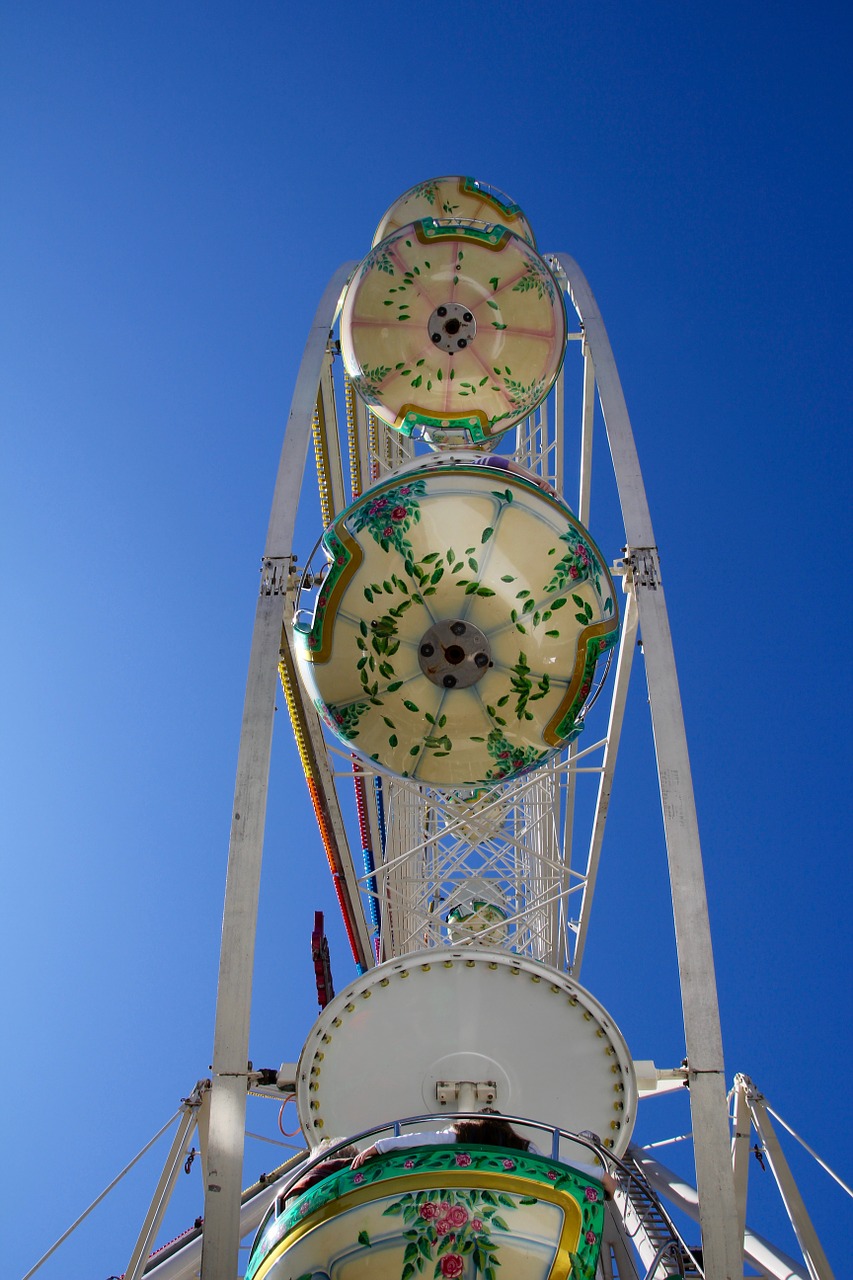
{"type": "Point", "coordinates": [452, 327]}
{"type": "Point", "coordinates": [454, 654]}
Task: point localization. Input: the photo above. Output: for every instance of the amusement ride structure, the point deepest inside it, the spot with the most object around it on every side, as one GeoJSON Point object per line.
{"type": "Point", "coordinates": [455, 656]}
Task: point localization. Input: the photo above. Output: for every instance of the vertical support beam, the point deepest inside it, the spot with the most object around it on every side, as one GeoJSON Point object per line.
{"type": "Point", "coordinates": [557, 464]}
{"type": "Point", "coordinates": [621, 682]}
{"type": "Point", "coordinates": [740, 1151]}
{"type": "Point", "coordinates": [722, 1253]}
{"type": "Point", "coordinates": [718, 1215]}
{"type": "Point", "coordinates": [560, 908]}
{"type": "Point", "coordinates": [242, 886]}
{"type": "Point", "coordinates": [236, 965]}
{"type": "Point", "coordinates": [587, 417]}
{"type": "Point", "coordinates": [553, 472]}
{"type": "Point", "coordinates": [177, 1154]}
{"type": "Point", "coordinates": [813, 1254]}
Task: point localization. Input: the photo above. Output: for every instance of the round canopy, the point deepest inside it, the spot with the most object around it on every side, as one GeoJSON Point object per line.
{"type": "Point", "coordinates": [453, 328]}
{"type": "Point", "coordinates": [451, 198]}
{"type": "Point", "coordinates": [530, 1038]}
{"type": "Point", "coordinates": [456, 635]}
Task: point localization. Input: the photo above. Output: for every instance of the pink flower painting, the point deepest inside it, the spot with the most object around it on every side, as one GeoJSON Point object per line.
{"type": "Point", "coordinates": [451, 1266]}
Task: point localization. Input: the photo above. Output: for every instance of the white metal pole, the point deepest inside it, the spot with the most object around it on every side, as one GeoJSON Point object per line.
{"type": "Point", "coordinates": [741, 1124]}
{"type": "Point", "coordinates": [160, 1200]}
{"type": "Point", "coordinates": [722, 1255]}
{"type": "Point", "coordinates": [236, 964]}
{"type": "Point", "coordinates": [816, 1260]}
{"type": "Point", "coordinates": [587, 418]}
{"type": "Point", "coordinates": [621, 679]}
{"type": "Point", "coordinates": [116, 1180]}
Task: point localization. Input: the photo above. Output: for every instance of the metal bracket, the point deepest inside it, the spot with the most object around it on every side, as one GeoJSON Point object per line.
{"type": "Point", "coordinates": [275, 575]}
{"type": "Point", "coordinates": [652, 1079]}
{"type": "Point", "coordinates": [286, 1078]}
{"type": "Point", "coordinates": [644, 566]}
{"type": "Point", "coordinates": [482, 1091]}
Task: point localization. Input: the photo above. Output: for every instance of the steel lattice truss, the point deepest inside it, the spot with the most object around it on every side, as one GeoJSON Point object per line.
{"type": "Point", "coordinates": [428, 847]}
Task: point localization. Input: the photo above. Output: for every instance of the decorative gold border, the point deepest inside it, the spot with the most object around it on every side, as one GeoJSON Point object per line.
{"type": "Point", "coordinates": [457, 231]}
{"type": "Point", "coordinates": [438, 1179]}
{"type": "Point", "coordinates": [445, 423]}
{"type": "Point", "coordinates": [509, 212]}
{"type": "Point", "coordinates": [595, 632]}
{"type": "Point", "coordinates": [330, 609]}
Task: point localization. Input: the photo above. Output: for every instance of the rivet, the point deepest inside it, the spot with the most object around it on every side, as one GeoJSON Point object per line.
{"type": "Point", "coordinates": [573, 1000]}
{"type": "Point", "coordinates": [327, 1039]}
{"type": "Point", "coordinates": [515, 972]}
{"type": "Point", "coordinates": [534, 977]}
{"type": "Point", "coordinates": [318, 1124]}
{"type": "Point", "coordinates": [365, 995]}
{"type": "Point", "coordinates": [587, 1016]}
{"type": "Point", "coordinates": [319, 1056]}
{"type": "Point", "coordinates": [384, 982]}
{"type": "Point", "coordinates": [492, 964]}
{"type": "Point", "coordinates": [404, 973]}
{"type": "Point", "coordinates": [315, 1106]}
{"type": "Point", "coordinates": [615, 1067]}
{"type": "Point", "coordinates": [425, 968]}
{"type": "Point", "coordinates": [469, 964]}
{"type": "Point", "coordinates": [608, 1142]}
{"type": "Point", "coordinates": [349, 1007]}
{"type": "Point", "coordinates": [554, 987]}
{"type": "Point", "coordinates": [448, 964]}
{"type": "Point", "coordinates": [615, 1125]}
{"type": "Point", "coordinates": [313, 1087]}
{"type": "Point", "coordinates": [600, 1033]}
{"type": "Point", "coordinates": [336, 1022]}
{"type": "Point", "coordinates": [618, 1106]}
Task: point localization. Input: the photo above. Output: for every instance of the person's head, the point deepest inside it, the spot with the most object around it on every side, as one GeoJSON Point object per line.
{"type": "Point", "coordinates": [489, 1129]}
{"type": "Point", "coordinates": [343, 1153]}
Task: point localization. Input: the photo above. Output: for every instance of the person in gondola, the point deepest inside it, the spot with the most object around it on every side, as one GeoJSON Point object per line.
{"type": "Point", "coordinates": [340, 1160]}
{"type": "Point", "coordinates": [487, 1129]}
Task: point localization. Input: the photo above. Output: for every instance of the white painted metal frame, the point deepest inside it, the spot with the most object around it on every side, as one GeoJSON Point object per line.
{"type": "Point", "coordinates": [815, 1258]}
{"type": "Point", "coordinates": [722, 1255]}
{"type": "Point", "coordinates": [437, 843]}
{"type": "Point", "coordinates": [175, 1159]}
{"type": "Point", "coordinates": [224, 1161]}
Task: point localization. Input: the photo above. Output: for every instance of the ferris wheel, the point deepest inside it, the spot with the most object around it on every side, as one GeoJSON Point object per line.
{"type": "Point", "coordinates": [455, 656]}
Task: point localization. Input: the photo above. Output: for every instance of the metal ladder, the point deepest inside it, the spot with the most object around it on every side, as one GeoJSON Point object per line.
{"type": "Point", "coordinates": [648, 1227]}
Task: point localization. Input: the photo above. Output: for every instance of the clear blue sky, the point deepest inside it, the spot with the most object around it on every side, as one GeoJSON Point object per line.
{"type": "Point", "coordinates": [179, 183]}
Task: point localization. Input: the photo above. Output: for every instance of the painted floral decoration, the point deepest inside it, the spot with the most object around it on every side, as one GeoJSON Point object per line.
{"type": "Point", "coordinates": [454, 1233]}
{"type": "Point", "coordinates": [442, 543]}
